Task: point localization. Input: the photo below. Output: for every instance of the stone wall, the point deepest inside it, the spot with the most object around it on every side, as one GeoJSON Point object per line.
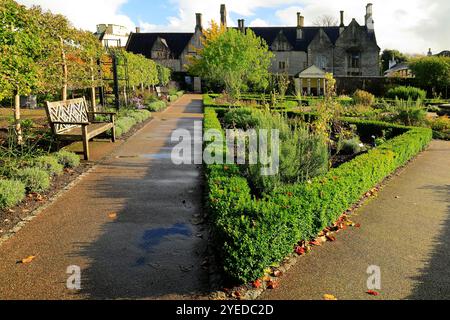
{"type": "Point", "coordinates": [296, 61]}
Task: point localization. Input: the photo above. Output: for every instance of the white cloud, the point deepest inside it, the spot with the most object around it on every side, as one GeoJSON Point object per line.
{"type": "Point", "coordinates": [408, 25]}
{"type": "Point", "coordinates": [86, 14]}
{"type": "Point", "coordinates": [259, 23]}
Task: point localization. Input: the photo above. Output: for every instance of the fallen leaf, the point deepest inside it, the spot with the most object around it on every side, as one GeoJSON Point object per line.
{"type": "Point", "coordinates": [322, 239]}
{"type": "Point", "coordinates": [330, 237]}
{"type": "Point", "coordinates": [27, 260]}
{"type": "Point", "coordinates": [300, 250]}
{"type": "Point", "coordinates": [329, 297]}
{"type": "Point", "coordinates": [237, 294]}
{"type": "Point", "coordinates": [272, 285]}
{"type": "Point", "coordinates": [358, 225]}
{"type": "Point", "coordinates": [257, 284]}
{"type": "Point", "coordinates": [112, 215]}
{"type": "Point", "coordinates": [277, 273]}
{"type": "Point", "coordinates": [373, 293]}
{"type": "Point", "coordinates": [267, 279]}
{"type": "Point", "coordinates": [315, 243]}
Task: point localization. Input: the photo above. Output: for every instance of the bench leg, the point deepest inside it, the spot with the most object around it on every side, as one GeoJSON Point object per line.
{"type": "Point", "coordinates": [113, 138]}
{"type": "Point", "coordinates": [85, 143]}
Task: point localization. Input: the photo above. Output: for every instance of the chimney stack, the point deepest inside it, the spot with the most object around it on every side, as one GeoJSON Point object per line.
{"type": "Point", "coordinates": [369, 18]}
{"type": "Point", "coordinates": [223, 15]}
{"type": "Point", "coordinates": [241, 25]}
{"type": "Point", "coordinates": [198, 26]}
{"type": "Point", "coordinates": [342, 19]}
{"type": "Point", "coordinates": [138, 30]}
{"type": "Point", "coordinates": [300, 25]}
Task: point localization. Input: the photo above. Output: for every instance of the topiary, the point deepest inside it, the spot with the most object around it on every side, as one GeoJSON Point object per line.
{"type": "Point", "coordinates": [11, 193]}
{"type": "Point", "coordinates": [67, 159]}
{"type": "Point", "coordinates": [49, 164]}
{"type": "Point", "coordinates": [35, 179]}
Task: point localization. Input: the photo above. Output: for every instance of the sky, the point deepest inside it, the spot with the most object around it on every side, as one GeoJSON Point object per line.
{"type": "Point", "coordinates": [411, 26]}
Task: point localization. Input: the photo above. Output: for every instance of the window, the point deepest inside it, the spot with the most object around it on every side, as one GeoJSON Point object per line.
{"type": "Point", "coordinates": [354, 60]}
{"type": "Point", "coordinates": [282, 65]}
{"type": "Point", "coordinates": [321, 62]}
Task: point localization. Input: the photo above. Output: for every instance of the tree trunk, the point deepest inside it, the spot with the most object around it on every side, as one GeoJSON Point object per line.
{"type": "Point", "coordinates": [65, 71]}
{"type": "Point", "coordinates": [18, 126]}
{"type": "Point", "coordinates": [93, 95]}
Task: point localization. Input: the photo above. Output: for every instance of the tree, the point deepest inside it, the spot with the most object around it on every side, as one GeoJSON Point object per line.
{"type": "Point", "coordinates": [20, 46]}
{"type": "Point", "coordinates": [326, 21]}
{"type": "Point", "coordinates": [432, 72]}
{"type": "Point", "coordinates": [233, 59]}
{"type": "Point", "coordinates": [387, 56]}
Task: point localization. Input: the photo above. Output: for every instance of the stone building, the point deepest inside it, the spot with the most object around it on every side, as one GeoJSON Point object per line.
{"type": "Point", "coordinates": [112, 35]}
{"type": "Point", "coordinates": [350, 50]}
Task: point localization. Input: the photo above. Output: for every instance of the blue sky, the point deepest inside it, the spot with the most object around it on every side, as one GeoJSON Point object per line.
{"type": "Point", "coordinates": [410, 26]}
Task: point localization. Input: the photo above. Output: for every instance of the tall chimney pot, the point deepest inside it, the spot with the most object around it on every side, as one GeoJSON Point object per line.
{"type": "Point", "coordinates": [138, 30]}
{"type": "Point", "coordinates": [198, 17]}
{"type": "Point", "coordinates": [342, 19]}
{"type": "Point", "coordinates": [223, 15]}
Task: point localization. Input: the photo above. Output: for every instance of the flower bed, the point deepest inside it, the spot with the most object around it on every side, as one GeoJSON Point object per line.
{"type": "Point", "coordinates": [252, 234]}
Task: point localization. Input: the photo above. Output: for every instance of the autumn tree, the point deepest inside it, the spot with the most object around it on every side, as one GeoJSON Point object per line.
{"type": "Point", "coordinates": [234, 59]}
{"type": "Point", "coordinates": [20, 47]}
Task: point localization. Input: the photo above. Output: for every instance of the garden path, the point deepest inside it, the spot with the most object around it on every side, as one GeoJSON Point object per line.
{"type": "Point", "coordinates": [130, 224]}
{"type": "Point", "coordinates": [405, 231]}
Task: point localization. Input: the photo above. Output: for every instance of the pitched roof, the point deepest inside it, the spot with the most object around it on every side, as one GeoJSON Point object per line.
{"type": "Point", "coordinates": [312, 72]}
{"type": "Point", "coordinates": [142, 43]}
{"type": "Point", "coordinates": [270, 33]}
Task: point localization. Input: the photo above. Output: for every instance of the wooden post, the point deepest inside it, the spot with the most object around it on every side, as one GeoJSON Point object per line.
{"type": "Point", "coordinates": [18, 126]}
{"type": "Point", "coordinates": [85, 142]}
{"type": "Point", "coordinates": [93, 94]}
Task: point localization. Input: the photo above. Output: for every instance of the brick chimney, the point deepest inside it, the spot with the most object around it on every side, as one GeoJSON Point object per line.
{"type": "Point", "coordinates": [198, 25]}
{"type": "Point", "coordinates": [138, 30]}
{"type": "Point", "coordinates": [223, 15]}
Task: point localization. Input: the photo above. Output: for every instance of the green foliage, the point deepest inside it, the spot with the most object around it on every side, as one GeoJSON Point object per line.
{"type": "Point", "coordinates": [410, 113]}
{"type": "Point", "coordinates": [364, 98]}
{"type": "Point", "coordinates": [241, 118]}
{"type": "Point", "coordinates": [35, 179]}
{"type": "Point", "coordinates": [157, 106]}
{"type": "Point", "coordinates": [67, 159]}
{"type": "Point", "coordinates": [123, 125]}
{"type": "Point", "coordinates": [252, 234]}
{"type": "Point", "coordinates": [163, 75]}
{"type": "Point", "coordinates": [20, 47]}
{"type": "Point", "coordinates": [432, 71]}
{"type": "Point", "coordinates": [236, 60]}
{"type": "Point", "coordinates": [406, 93]}
{"type": "Point", "coordinates": [49, 164]}
{"type": "Point", "coordinates": [11, 193]}
{"type": "Point", "coordinates": [351, 146]}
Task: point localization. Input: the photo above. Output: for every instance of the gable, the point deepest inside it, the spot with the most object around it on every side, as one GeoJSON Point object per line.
{"type": "Point", "coordinates": [281, 43]}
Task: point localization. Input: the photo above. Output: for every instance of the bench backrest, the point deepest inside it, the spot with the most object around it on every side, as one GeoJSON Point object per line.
{"type": "Point", "coordinates": [70, 111]}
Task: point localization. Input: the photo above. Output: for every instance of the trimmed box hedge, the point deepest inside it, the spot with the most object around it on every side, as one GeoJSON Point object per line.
{"type": "Point", "coordinates": [253, 234]}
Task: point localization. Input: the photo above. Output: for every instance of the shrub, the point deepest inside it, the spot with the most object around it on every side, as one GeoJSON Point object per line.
{"type": "Point", "coordinates": [140, 115]}
{"type": "Point", "coordinates": [156, 106]}
{"type": "Point", "coordinates": [351, 146]}
{"type": "Point", "coordinates": [409, 113]}
{"type": "Point", "coordinates": [49, 164]}
{"type": "Point", "coordinates": [35, 179]}
{"type": "Point", "coordinates": [241, 118]}
{"type": "Point", "coordinates": [406, 93]}
{"type": "Point", "coordinates": [123, 125]}
{"type": "Point", "coordinates": [11, 193]}
{"type": "Point", "coordinates": [252, 234]}
{"type": "Point", "coordinates": [363, 97]}
{"type": "Point", "coordinates": [67, 159]}
{"type": "Point", "coordinates": [173, 98]}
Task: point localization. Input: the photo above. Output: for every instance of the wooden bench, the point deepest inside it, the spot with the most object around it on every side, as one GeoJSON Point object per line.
{"type": "Point", "coordinates": [71, 120]}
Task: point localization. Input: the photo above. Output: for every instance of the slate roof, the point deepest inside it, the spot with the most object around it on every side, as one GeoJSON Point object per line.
{"type": "Point", "coordinates": [142, 43]}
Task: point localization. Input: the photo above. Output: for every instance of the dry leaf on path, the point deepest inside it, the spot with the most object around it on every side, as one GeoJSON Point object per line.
{"type": "Point", "coordinates": [373, 293]}
{"type": "Point", "coordinates": [112, 215]}
{"type": "Point", "coordinates": [329, 297]}
{"type": "Point", "coordinates": [26, 260]}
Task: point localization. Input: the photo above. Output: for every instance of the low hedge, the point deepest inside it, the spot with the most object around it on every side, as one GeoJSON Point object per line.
{"type": "Point", "coordinates": [34, 179]}
{"type": "Point", "coordinates": [157, 106]}
{"type": "Point", "coordinates": [129, 119]}
{"type": "Point", "coordinates": [253, 234]}
{"type": "Point", "coordinates": [11, 193]}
